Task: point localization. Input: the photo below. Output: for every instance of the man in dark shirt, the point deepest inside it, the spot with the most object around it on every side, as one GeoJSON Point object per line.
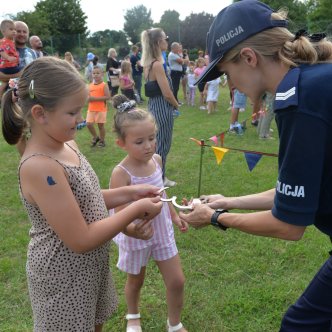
{"type": "Point", "coordinates": [137, 69]}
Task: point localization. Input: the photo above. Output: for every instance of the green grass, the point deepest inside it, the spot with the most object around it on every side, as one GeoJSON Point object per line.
{"type": "Point", "coordinates": [234, 282]}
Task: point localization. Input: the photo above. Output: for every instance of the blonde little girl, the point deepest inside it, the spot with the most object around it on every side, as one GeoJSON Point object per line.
{"type": "Point", "coordinates": [69, 279]}
{"type": "Point", "coordinates": [136, 134]}
{"type": "Point", "coordinates": [126, 80]}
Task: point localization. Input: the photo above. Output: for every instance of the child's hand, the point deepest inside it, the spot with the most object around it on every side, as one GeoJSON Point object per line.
{"type": "Point", "coordinates": [12, 59]}
{"type": "Point", "coordinates": [148, 208]}
{"type": "Point", "coordinates": [181, 224]}
{"type": "Point", "coordinates": [142, 230]}
{"type": "Point", "coordinates": [144, 190]}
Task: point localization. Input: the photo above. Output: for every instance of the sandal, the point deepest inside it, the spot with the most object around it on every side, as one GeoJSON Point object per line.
{"type": "Point", "coordinates": [133, 328]}
{"type": "Point", "coordinates": [101, 144]}
{"type": "Point", "coordinates": [95, 141]}
{"type": "Point", "coordinates": [175, 328]}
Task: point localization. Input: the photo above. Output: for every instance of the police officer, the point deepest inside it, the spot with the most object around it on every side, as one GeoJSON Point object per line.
{"type": "Point", "coordinates": [251, 44]}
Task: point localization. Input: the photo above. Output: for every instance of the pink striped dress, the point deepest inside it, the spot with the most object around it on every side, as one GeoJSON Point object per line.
{"type": "Point", "coordinates": [162, 223]}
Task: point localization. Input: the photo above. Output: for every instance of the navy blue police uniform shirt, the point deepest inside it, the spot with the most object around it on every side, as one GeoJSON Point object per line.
{"type": "Point", "coordinates": [303, 109]}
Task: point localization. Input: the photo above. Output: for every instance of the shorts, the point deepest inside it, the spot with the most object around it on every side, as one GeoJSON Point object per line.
{"type": "Point", "coordinates": [201, 86]}
{"type": "Point", "coordinates": [96, 117]}
{"type": "Point", "coordinates": [240, 99]}
{"type": "Point", "coordinates": [131, 261]}
{"type": "Point", "coordinates": [10, 70]}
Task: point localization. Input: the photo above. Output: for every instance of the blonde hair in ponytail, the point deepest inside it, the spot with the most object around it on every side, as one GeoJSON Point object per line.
{"type": "Point", "coordinates": [150, 46]}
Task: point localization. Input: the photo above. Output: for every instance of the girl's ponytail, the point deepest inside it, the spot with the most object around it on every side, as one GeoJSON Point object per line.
{"type": "Point", "coordinates": [13, 120]}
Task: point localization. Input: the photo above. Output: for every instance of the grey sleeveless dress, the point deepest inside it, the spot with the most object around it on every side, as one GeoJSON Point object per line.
{"type": "Point", "coordinates": [69, 291]}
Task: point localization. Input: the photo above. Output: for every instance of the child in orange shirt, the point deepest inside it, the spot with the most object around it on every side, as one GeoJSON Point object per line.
{"type": "Point", "coordinates": [97, 109]}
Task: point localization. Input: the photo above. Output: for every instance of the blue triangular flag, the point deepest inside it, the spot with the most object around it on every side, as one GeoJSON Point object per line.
{"type": "Point", "coordinates": [252, 159]}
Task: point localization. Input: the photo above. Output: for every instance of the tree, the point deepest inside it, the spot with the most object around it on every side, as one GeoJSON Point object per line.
{"type": "Point", "coordinates": [103, 40]}
{"type": "Point", "coordinates": [38, 25]}
{"type": "Point", "coordinates": [171, 24]}
{"type": "Point", "coordinates": [66, 22]}
{"type": "Point", "coordinates": [319, 16]}
{"type": "Point", "coordinates": [137, 19]}
{"type": "Point", "coordinates": [297, 12]}
{"type": "Point", "coordinates": [194, 29]}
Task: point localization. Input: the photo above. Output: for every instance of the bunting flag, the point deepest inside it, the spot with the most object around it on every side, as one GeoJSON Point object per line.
{"type": "Point", "coordinates": [219, 153]}
{"type": "Point", "coordinates": [252, 159]}
{"type": "Point", "coordinates": [197, 141]}
{"type": "Point", "coordinates": [214, 139]}
{"type": "Point", "coordinates": [222, 137]}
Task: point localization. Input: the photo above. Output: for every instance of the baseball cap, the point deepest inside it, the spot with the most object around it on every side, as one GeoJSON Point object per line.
{"type": "Point", "coordinates": [234, 24]}
{"type": "Point", "coordinates": [90, 56]}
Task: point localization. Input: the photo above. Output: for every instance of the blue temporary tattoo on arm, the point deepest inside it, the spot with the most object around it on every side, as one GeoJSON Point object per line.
{"type": "Point", "coordinates": [50, 181]}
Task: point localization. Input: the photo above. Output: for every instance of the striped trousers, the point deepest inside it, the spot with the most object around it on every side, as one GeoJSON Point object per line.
{"type": "Point", "coordinates": [162, 111]}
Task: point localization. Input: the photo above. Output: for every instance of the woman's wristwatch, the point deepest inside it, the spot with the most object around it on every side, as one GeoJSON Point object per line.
{"type": "Point", "coordinates": [214, 219]}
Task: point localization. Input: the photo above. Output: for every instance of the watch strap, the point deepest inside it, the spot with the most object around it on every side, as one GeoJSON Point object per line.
{"type": "Point", "coordinates": [214, 219]}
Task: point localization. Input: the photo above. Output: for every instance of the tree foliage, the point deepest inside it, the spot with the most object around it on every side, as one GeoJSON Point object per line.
{"type": "Point", "coordinates": [297, 12]}
{"type": "Point", "coordinates": [194, 29]}
{"type": "Point", "coordinates": [170, 23]}
{"type": "Point", "coordinates": [62, 24]}
{"type": "Point", "coordinates": [103, 40]}
{"type": "Point", "coordinates": [38, 24]}
{"type": "Point", "coordinates": [137, 19]}
{"type": "Point", "coordinates": [66, 21]}
{"type": "Point", "coordinates": [320, 16]}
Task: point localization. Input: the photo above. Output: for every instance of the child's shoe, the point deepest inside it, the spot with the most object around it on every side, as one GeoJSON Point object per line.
{"type": "Point", "coordinates": [175, 328]}
{"type": "Point", "coordinates": [95, 141]}
{"type": "Point", "coordinates": [101, 144]}
{"type": "Point", "coordinates": [133, 328]}
{"type": "Point", "coordinates": [169, 183]}
{"type": "Point", "coordinates": [176, 113]}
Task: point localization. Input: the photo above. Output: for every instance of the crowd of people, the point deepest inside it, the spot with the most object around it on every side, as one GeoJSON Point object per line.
{"type": "Point", "coordinates": [73, 219]}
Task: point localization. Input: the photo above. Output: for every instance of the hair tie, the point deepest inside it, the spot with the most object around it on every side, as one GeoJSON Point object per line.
{"type": "Point", "coordinates": [126, 106]}
{"type": "Point", "coordinates": [317, 37]}
{"type": "Point", "coordinates": [32, 89]}
{"type": "Point", "coordinates": [13, 84]}
{"type": "Point", "coordinates": [300, 33]}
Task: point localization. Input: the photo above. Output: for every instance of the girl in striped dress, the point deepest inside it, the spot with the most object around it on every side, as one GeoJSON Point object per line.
{"type": "Point", "coordinates": [136, 134]}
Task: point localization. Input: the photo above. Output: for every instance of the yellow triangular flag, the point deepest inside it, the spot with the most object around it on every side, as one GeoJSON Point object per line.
{"type": "Point", "coordinates": [219, 153]}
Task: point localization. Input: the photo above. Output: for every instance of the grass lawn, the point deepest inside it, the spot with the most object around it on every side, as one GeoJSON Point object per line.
{"type": "Point", "coordinates": [234, 282]}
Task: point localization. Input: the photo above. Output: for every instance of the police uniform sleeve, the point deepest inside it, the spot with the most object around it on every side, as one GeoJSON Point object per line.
{"type": "Point", "coordinates": [303, 140]}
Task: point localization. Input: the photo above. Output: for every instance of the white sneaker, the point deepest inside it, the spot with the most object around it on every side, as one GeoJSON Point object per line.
{"type": "Point", "coordinates": [169, 183]}
{"type": "Point", "coordinates": [242, 109]}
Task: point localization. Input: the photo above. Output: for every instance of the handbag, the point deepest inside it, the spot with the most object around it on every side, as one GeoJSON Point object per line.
{"type": "Point", "coordinates": [115, 81]}
{"type": "Point", "coordinates": [152, 88]}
